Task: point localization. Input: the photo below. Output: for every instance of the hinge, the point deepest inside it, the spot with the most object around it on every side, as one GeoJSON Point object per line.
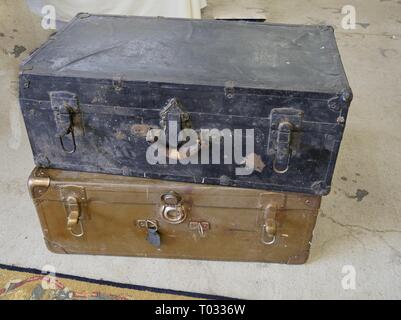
{"type": "Point", "coordinates": [285, 124]}
{"type": "Point", "coordinates": [65, 109]}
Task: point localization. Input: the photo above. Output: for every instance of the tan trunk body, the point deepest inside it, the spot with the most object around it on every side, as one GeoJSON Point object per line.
{"type": "Point", "coordinates": [87, 213]}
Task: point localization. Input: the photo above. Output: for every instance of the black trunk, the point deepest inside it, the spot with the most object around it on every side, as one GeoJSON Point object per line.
{"type": "Point", "coordinates": [104, 81]}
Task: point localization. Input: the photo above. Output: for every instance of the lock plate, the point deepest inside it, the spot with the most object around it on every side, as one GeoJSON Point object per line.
{"type": "Point", "coordinates": [64, 105]}
{"type": "Point", "coordinates": [72, 190]}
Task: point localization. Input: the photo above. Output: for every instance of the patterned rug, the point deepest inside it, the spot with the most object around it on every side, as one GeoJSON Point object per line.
{"type": "Point", "coordinates": [18, 283]}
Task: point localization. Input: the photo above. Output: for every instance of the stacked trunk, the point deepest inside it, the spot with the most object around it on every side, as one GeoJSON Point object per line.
{"type": "Point", "coordinates": [101, 92]}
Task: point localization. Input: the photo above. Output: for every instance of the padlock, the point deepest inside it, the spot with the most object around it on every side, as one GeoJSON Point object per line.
{"type": "Point", "coordinates": [153, 237]}
{"type": "Point", "coordinates": [152, 234]}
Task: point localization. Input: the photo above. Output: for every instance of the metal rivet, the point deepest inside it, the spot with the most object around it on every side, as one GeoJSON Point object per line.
{"type": "Point", "coordinates": [340, 119]}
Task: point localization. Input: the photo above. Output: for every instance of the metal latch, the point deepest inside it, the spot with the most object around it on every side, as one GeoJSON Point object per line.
{"type": "Point", "coordinates": [269, 228]}
{"type": "Point", "coordinates": [285, 123]}
{"type": "Point", "coordinates": [65, 108]}
{"type": "Point", "coordinates": [74, 198]}
{"type": "Point", "coordinates": [172, 209]}
{"type": "Point", "coordinates": [173, 119]}
{"type": "Point", "coordinates": [199, 226]}
{"type": "Point", "coordinates": [74, 220]}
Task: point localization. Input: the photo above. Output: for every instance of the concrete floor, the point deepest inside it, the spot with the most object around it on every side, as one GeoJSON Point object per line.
{"type": "Point", "coordinates": [360, 221]}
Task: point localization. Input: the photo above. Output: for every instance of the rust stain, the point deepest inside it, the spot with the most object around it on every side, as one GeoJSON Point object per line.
{"type": "Point", "coordinates": [120, 135]}
{"type": "Point", "coordinates": [140, 129]}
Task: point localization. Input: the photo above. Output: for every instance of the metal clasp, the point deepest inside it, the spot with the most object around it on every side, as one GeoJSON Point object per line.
{"type": "Point", "coordinates": [269, 228]}
{"type": "Point", "coordinates": [283, 151]}
{"type": "Point", "coordinates": [172, 209]}
{"type": "Point", "coordinates": [173, 119]}
{"type": "Point", "coordinates": [200, 227]}
{"type": "Point", "coordinates": [284, 126]}
{"type": "Point", "coordinates": [74, 217]}
{"type": "Point", "coordinates": [74, 145]}
{"type": "Point", "coordinates": [147, 224]}
{"type": "Point", "coordinates": [65, 108]}
{"type": "Point", "coordinates": [74, 198]}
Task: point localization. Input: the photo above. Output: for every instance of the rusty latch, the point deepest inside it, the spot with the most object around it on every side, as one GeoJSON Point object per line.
{"type": "Point", "coordinates": [65, 108]}
{"type": "Point", "coordinates": [173, 117]}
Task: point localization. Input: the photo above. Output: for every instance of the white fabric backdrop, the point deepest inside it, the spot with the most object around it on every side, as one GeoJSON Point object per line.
{"type": "Point", "coordinates": [66, 9]}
